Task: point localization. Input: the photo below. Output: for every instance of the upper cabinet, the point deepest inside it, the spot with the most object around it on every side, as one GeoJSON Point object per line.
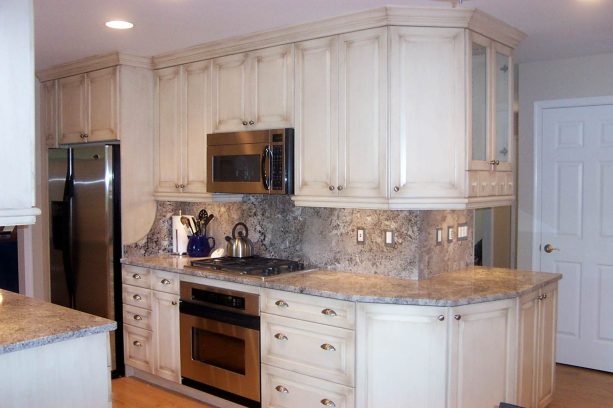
{"type": "Point", "coordinates": [48, 113]}
{"type": "Point", "coordinates": [253, 90]}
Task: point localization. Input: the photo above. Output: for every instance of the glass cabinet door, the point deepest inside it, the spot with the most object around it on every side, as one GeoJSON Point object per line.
{"type": "Point", "coordinates": [502, 107]}
{"type": "Point", "coordinates": [480, 145]}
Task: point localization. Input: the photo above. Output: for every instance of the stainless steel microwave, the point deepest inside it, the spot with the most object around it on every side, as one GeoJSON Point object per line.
{"type": "Point", "coordinates": [251, 162]}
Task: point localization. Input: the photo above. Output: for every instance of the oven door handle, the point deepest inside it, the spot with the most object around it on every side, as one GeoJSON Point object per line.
{"type": "Point", "coordinates": [266, 154]}
{"type": "Point", "coordinates": [223, 316]}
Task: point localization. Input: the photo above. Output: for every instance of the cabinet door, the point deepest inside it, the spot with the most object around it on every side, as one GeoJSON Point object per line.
{"type": "Point", "coordinates": [73, 109]}
{"type": "Point", "coordinates": [479, 103]}
{"type": "Point", "coordinates": [546, 362]}
{"type": "Point", "coordinates": [502, 109]}
{"type": "Point", "coordinates": [527, 349]}
{"type": "Point", "coordinates": [316, 135]}
{"type": "Point", "coordinates": [483, 354]}
{"type": "Point", "coordinates": [197, 88]}
{"type": "Point", "coordinates": [230, 93]}
{"type": "Point", "coordinates": [427, 149]}
{"type": "Point", "coordinates": [363, 114]}
{"type": "Point", "coordinates": [137, 348]}
{"type": "Point", "coordinates": [102, 102]}
{"type": "Point", "coordinates": [271, 87]}
{"type": "Point", "coordinates": [165, 311]}
{"type": "Point", "coordinates": [167, 144]}
{"type": "Point", "coordinates": [401, 356]}
{"type": "Point", "coordinates": [48, 112]}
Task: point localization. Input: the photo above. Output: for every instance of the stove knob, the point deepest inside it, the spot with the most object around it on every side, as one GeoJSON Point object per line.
{"type": "Point", "coordinates": [276, 270]}
{"type": "Point", "coordinates": [269, 271]}
{"type": "Point", "coordinates": [300, 266]}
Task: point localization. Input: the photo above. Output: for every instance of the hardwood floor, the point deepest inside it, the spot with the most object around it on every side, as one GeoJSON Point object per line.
{"type": "Point", "coordinates": [575, 388]}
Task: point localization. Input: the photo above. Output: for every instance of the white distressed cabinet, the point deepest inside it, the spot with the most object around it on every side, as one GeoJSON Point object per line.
{"type": "Point", "coordinates": [48, 113]}
{"type": "Point", "coordinates": [88, 106]}
{"type": "Point", "coordinates": [536, 352]}
{"type": "Point", "coordinates": [341, 117]}
{"type": "Point", "coordinates": [253, 90]}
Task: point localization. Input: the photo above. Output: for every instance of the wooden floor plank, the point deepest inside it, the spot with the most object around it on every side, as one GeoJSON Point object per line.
{"type": "Point", "coordinates": [130, 392]}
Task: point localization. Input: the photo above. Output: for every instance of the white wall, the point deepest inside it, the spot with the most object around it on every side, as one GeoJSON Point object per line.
{"type": "Point", "coordinates": [538, 81]}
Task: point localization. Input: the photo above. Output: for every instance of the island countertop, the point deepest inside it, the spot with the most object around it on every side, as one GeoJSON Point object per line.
{"type": "Point", "coordinates": [467, 286]}
{"type": "Point", "coordinates": [26, 322]}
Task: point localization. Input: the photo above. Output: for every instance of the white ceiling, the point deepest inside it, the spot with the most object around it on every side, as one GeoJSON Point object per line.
{"type": "Point", "coordinates": [66, 30]}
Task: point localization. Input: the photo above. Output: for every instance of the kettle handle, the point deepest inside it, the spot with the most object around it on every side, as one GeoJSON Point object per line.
{"type": "Point", "coordinates": [244, 226]}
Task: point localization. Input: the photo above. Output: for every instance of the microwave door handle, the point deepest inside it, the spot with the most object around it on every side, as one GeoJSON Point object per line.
{"type": "Point", "coordinates": [265, 176]}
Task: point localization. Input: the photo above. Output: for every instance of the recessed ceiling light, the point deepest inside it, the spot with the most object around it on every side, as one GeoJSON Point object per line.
{"type": "Point", "coordinates": [119, 24]}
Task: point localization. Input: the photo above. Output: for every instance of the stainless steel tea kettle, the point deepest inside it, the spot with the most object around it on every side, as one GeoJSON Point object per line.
{"type": "Point", "coordinates": [239, 246]}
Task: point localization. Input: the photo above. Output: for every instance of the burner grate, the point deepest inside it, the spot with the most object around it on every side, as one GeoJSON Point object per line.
{"type": "Point", "coordinates": [253, 265]}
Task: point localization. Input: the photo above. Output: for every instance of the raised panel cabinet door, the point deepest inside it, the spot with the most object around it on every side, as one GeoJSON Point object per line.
{"type": "Point", "coordinates": [502, 133]}
{"type": "Point", "coordinates": [362, 162]}
{"type": "Point", "coordinates": [230, 93]}
{"type": "Point", "coordinates": [401, 356]}
{"type": "Point", "coordinates": [483, 349]}
{"type": "Point", "coordinates": [72, 109]}
{"type": "Point", "coordinates": [138, 348]}
{"type": "Point", "coordinates": [427, 148]}
{"type": "Point", "coordinates": [479, 102]}
{"type": "Point", "coordinates": [103, 104]}
{"type": "Point", "coordinates": [197, 88]}
{"type": "Point", "coordinates": [272, 87]}
{"type": "Point", "coordinates": [167, 143]}
{"type": "Point", "coordinates": [527, 327]}
{"type": "Point", "coordinates": [48, 112]}
{"type": "Point", "coordinates": [546, 362]}
{"type": "Point", "coordinates": [165, 311]}
{"type": "Point", "coordinates": [316, 120]}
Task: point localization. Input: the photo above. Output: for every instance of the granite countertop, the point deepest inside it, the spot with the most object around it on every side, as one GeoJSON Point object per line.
{"type": "Point", "coordinates": [26, 322]}
{"type": "Point", "coordinates": [471, 285]}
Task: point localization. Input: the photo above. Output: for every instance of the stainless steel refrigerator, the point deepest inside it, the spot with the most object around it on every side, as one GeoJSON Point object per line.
{"type": "Point", "coordinates": [85, 234]}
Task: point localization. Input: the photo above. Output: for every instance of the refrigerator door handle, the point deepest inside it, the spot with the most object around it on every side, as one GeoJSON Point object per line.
{"type": "Point", "coordinates": [69, 274]}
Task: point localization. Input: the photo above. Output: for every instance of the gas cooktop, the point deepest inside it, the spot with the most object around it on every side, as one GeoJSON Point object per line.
{"type": "Point", "coordinates": [253, 265]}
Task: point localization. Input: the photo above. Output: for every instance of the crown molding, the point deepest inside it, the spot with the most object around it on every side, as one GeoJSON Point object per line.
{"type": "Point", "coordinates": [91, 64]}
{"type": "Point", "coordinates": [495, 29]}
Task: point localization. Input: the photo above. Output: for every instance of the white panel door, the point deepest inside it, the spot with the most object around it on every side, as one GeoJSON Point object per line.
{"type": "Point", "coordinates": [102, 102]}
{"type": "Point", "coordinates": [73, 109]}
{"type": "Point", "coordinates": [230, 93]}
{"type": "Point", "coordinates": [363, 114]}
{"type": "Point", "coordinates": [316, 124]}
{"type": "Point", "coordinates": [427, 148]}
{"type": "Point", "coordinates": [48, 114]}
{"type": "Point", "coordinates": [165, 311]}
{"type": "Point", "coordinates": [577, 220]}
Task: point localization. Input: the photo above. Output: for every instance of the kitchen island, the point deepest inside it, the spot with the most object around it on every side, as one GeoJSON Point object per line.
{"type": "Point", "coordinates": [52, 356]}
{"type": "Point", "coordinates": [475, 337]}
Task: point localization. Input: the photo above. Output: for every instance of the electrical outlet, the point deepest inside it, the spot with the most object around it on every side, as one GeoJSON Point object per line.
{"type": "Point", "coordinates": [389, 238]}
{"type": "Point", "coordinates": [450, 234]}
{"type": "Point", "coordinates": [439, 236]}
{"type": "Point", "coordinates": [462, 232]}
{"type": "Point", "coordinates": [360, 237]}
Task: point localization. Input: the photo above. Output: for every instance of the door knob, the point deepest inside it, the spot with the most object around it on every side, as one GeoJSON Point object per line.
{"type": "Point", "coordinates": [550, 248]}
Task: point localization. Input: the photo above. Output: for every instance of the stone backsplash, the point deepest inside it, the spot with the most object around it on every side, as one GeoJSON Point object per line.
{"type": "Point", "coordinates": [326, 237]}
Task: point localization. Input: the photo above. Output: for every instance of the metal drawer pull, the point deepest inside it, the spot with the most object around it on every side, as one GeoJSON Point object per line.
{"type": "Point", "coordinates": [281, 303]}
{"type": "Point", "coordinates": [165, 282]}
{"type": "Point", "coordinates": [328, 347]}
{"type": "Point", "coordinates": [328, 312]}
{"type": "Point", "coordinates": [457, 317]}
{"type": "Point", "coordinates": [441, 318]}
{"type": "Point", "coordinates": [138, 317]}
{"type": "Point", "coordinates": [137, 343]}
{"type": "Point", "coordinates": [280, 336]}
{"type": "Point", "coordinates": [282, 389]}
{"type": "Point", "coordinates": [137, 297]}
{"type": "Point", "coordinates": [326, 402]}
{"type": "Point", "coordinates": [136, 276]}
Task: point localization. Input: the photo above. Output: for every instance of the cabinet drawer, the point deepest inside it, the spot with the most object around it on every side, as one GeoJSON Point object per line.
{"type": "Point", "coordinates": [138, 348]}
{"type": "Point", "coordinates": [286, 389]}
{"type": "Point", "coordinates": [134, 275]}
{"type": "Point", "coordinates": [136, 296]}
{"type": "Point", "coordinates": [314, 349]}
{"type": "Point", "coordinates": [165, 281]}
{"type": "Point", "coordinates": [135, 316]}
{"type": "Point", "coordinates": [316, 309]}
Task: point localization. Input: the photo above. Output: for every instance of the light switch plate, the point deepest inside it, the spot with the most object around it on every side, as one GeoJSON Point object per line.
{"type": "Point", "coordinates": [439, 236]}
{"type": "Point", "coordinates": [462, 232]}
{"type": "Point", "coordinates": [389, 238]}
{"type": "Point", "coordinates": [450, 234]}
{"type": "Point", "coordinates": [360, 236]}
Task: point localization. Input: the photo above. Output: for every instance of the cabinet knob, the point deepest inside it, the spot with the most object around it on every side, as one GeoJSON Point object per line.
{"type": "Point", "coordinates": [550, 248]}
{"type": "Point", "coordinates": [138, 317]}
{"type": "Point", "coordinates": [251, 122]}
{"type": "Point", "coordinates": [339, 188]}
{"type": "Point", "coordinates": [245, 123]}
{"type": "Point", "coordinates": [137, 297]}
{"type": "Point", "coordinates": [441, 318]}
{"type": "Point", "coordinates": [396, 189]}
{"type": "Point", "coordinates": [281, 303]}
{"type": "Point", "coordinates": [282, 389]}
{"type": "Point", "coordinates": [328, 403]}
{"type": "Point", "coordinates": [174, 302]}
{"type": "Point", "coordinates": [327, 347]}
{"type": "Point", "coordinates": [137, 343]}
{"type": "Point", "coordinates": [85, 135]}
{"type": "Point", "coordinates": [544, 295]}
{"type": "Point", "coordinates": [328, 312]}
{"type": "Point", "coordinates": [82, 135]}
{"type": "Point", "coordinates": [136, 276]}
{"type": "Point", "coordinates": [281, 336]}
{"type": "Point", "coordinates": [331, 188]}
{"type": "Point", "coordinates": [165, 282]}
{"type": "Point", "coordinates": [539, 297]}
{"type": "Point", "coordinates": [494, 162]}
{"type": "Point", "coordinates": [457, 317]}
